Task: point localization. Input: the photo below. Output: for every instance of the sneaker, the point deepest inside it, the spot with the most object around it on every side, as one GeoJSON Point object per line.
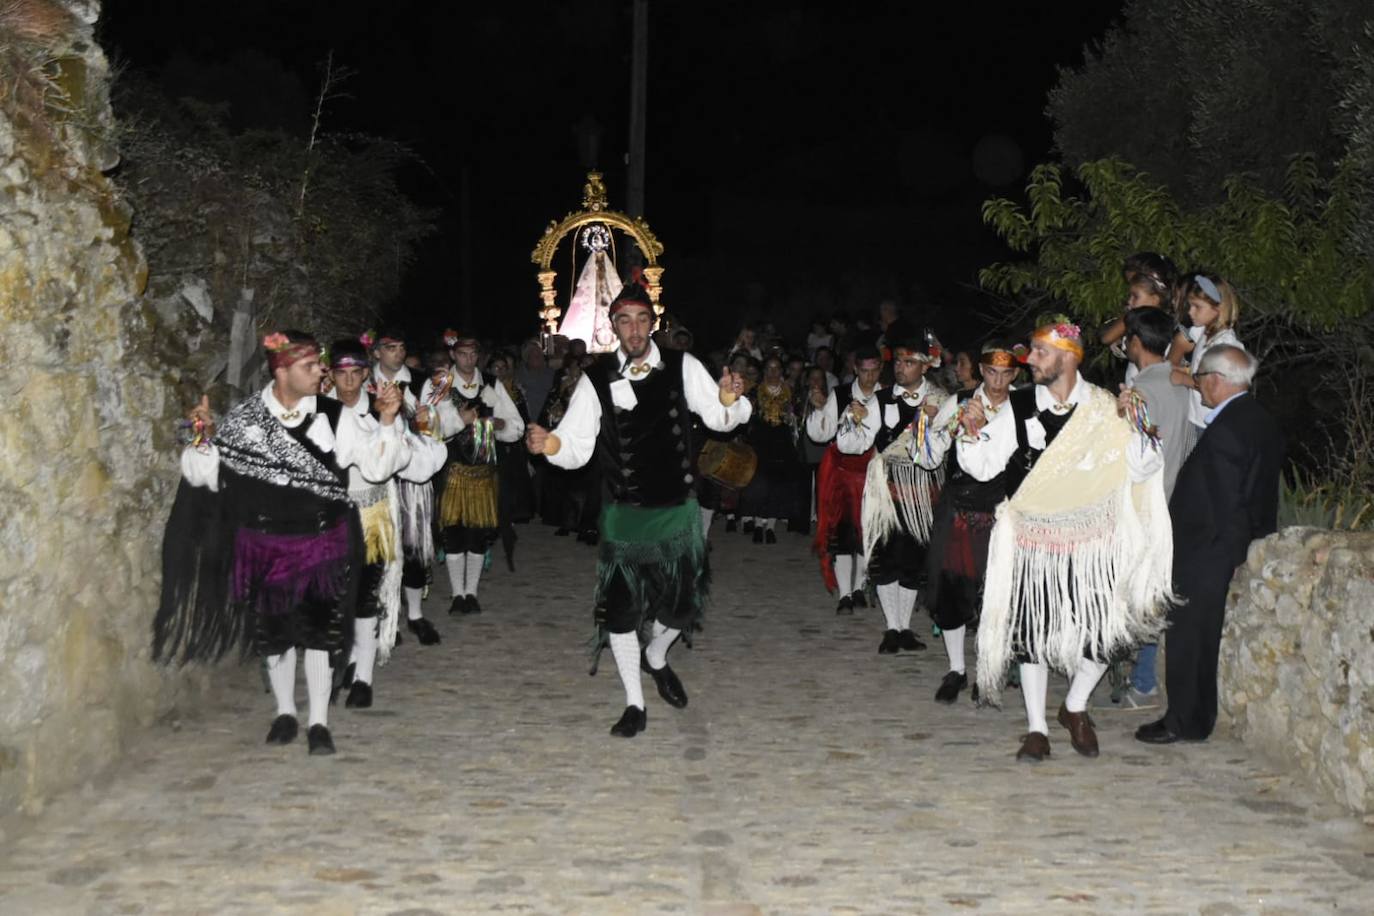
{"type": "Point", "coordinates": [1134, 699]}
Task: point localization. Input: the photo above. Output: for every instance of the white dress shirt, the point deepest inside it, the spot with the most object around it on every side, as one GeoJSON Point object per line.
{"type": "Point", "coordinates": [427, 455]}
{"type": "Point", "coordinates": [581, 422]}
{"type": "Point", "coordinates": [823, 425]}
{"type": "Point", "coordinates": [494, 396]}
{"type": "Point", "coordinates": [376, 451]}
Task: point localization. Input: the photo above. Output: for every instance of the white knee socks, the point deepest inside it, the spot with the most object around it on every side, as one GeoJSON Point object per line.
{"type": "Point", "coordinates": [625, 648]}
{"type": "Point", "coordinates": [474, 564]}
{"type": "Point", "coordinates": [768, 524]}
{"type": "Point", "coordinates": [364, 648]}
{"type": "Point", "coordinates": [706, 516]}
{"type": "Point", "coordinates": [860, 572]}
{"type": "Point", "coordinates": [281, 673]}
{"type": "Point", "coordinates": [844, 572]}
{"type": "Point", "coordinates": [954, 648]}
{"type": "Point", "coordinates": [456, 567]}
{"type": "Point", "coordinates": [413, 598]}
{"type": "Point", "coordinates": [908, 603]}
{"type": "Point", "coordinates": [1081, 686]}
{"type": "Point", "coordinates": [656, 653]}
{"type": "Point", "coordinates": [1035, 680]}
{"type": "Point", "coordinates": [317, 683]}
{"type": "Point", "coordinates": [889, 598]}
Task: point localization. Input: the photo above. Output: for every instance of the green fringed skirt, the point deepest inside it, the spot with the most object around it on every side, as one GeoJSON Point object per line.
{"type": "Point", "coordinates": [652, 566]}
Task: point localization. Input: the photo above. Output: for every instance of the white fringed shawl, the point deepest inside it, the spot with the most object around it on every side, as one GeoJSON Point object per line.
{"type": "Point", "coordinates": [1081, 559]}
{"type": "Point", "coordinates": [908, 498]}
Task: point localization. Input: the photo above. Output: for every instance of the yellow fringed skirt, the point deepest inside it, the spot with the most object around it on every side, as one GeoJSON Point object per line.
{"type": "Point", "coordinates": [469, 499]}
{"type": "Point", "coordinates": [379, 530]}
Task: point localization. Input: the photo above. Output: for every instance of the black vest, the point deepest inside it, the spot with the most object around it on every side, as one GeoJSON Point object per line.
{"type": "Point", "coordinates": [645, 453]}
{"type": "Point", "coordinates": [1023, 459]}
{"type": "Point", "coordinates": [905, 414]}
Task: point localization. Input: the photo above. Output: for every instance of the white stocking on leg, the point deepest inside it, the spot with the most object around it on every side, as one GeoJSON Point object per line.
{"type": "Point", "coordinates": [1035, 680]}
{"type": "Point", "coordinates": [456, 569]}
{"type": "Point", "coordinates": [281, 672]}
{"type": "Point", "coordinates": [413, 598]}
{"type": "Point", "coordinates": [656, 653]}
{"type": "Point", "coordinates": [860, 572]}
{"type": "Point", "coordinates": [908, 602]}
{"type": "Point", "coordinates": [954, 648]}
{"type": "Point", "coordinates": [364, 648]}
{"type": "Point", "coordinates": [706, 516]}
{"type": "Point", "coordinates": [889, 596]}
{"type": "Point", "coordinates": [317, 684]}
{"type": "Point", "coordinates": [474, 564]}
{"type": "Point", "coordinates": [1085, 678]}
{"type": "Point", "coordinates": [625, 648]}
{"type": "Point", "coordinates": [844, 572]}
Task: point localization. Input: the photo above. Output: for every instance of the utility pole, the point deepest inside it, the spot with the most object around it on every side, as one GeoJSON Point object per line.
{"type": "Point", "coordinates": [639, 73]}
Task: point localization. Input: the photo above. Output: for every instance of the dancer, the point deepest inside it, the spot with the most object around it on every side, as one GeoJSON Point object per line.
{"type": "Point", "coordinates": [1080, 557]}
{"type": "Point", "coordinates": [632, 410]}
{"type": "Point", "coordinates": [899, 493]}
{"type": "Point", "coordinates": [263, 547]}
{"type": "Point", "coordinates": [840, 480]}
{"type": "Point", "coordinates": [474, 413]}
{"type": "Point", "coordinates": [379, 592]}
{"type": "Point", "coordinates": [963, 518]}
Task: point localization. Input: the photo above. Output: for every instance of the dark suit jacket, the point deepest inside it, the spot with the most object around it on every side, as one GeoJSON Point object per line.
{"type": "Point", "coordinates": [1227, 495]}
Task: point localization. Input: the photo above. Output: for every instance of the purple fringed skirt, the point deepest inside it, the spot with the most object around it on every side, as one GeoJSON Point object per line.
{"type": "Point", "coordinates": [275, 572]}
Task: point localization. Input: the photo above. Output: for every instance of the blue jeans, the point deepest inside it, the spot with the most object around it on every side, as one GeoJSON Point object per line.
{"type": "Point", "coordinates": [1143, 675]}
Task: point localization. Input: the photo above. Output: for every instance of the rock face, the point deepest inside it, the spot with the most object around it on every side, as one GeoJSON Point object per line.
{"type": "Point", "coordinates": [87, 434]}
{"type": "Point", "coordinates": [1297, 657]}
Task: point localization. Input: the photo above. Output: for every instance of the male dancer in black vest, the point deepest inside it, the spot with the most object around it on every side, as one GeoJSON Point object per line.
{"type": "Point", "coordinates": [632, 410]}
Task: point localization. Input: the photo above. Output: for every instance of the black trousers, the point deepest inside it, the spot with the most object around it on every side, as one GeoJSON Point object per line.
{"type": "Point", "coordinates": [1193, 642]}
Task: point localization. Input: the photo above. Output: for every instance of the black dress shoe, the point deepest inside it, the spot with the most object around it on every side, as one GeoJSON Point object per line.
{"type": "Point", "coordinates": [953, 682]}
{"type": "Point", "coordinates": [321, 742]}
{"type": "Point", "coordinates": [283, 730]}
{"type": "Point", "coordinates": [769, 537]}
{"type": "Point", "coordinates": [359, 696]}
{"type": "Point", "coordinates": [731, 526]}
{"type": "Point", "coordinates": [748, 527]}
{"type": "Point", "coordinates": [423, 630]}
{"type": "Point", "coordinates": [1035, 747]}
{"type": "Point", "coordinates": [860, 599]}
{"type": "Point", "coordinates": [846, 605]}
{"type": "Point", "coordinates": [470, 605]}
{"type": "Point", "coordinates": [890, 643]}
{"type": "Point", "coordinates": [669, 687]}
{"type": "Point", "coordinates": [562, 532]}
{"type": "Point", "coordinates": [758, 535]}
{"type": "Point", "coordinates": [633, 721]}
{"type": "Point", "coordinates": [908, 642]}
{"type": "Point", "coordinates": [344, 682]}
{"type": "Point", "coordinates": [591, 537]}
{"type": "Point", "coordinates": [458, 605]}
{"type": "Point", "coordinates": [1156, 733]}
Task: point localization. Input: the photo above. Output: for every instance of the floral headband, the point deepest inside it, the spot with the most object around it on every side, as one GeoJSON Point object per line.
{"type": "Point", "coordinates": [453, 339]}
{"type": "Point", "coordinates": [1061, 334]}
{"type": "Point", "coordinates": [1002, 358]}
{"type": "Point", "coordinates": [281, 352]}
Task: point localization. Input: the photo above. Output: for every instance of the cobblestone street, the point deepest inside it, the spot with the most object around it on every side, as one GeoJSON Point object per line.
{"type": "Point", "coordinates": [807, 775]}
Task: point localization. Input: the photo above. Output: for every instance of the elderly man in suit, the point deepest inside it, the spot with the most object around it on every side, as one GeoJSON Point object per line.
{"type": "Point", "coordinates": [1226, 495]}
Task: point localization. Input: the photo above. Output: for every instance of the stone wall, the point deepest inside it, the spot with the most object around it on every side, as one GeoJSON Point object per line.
{"type": "Point", "coordinates": [88, 425]}
{"type": "Point", "coordinates": [1297, 657]}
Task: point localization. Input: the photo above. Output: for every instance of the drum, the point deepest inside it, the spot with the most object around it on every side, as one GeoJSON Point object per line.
{"type": "Point", "coordinates": [729, 464]}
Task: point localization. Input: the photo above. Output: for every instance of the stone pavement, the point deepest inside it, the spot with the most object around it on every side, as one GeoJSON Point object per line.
{"type": "Point", "coordinates": [808, 775]}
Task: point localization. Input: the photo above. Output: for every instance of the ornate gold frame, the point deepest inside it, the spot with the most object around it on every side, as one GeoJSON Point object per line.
{"type": "Point", "coordinates": [594, 211]}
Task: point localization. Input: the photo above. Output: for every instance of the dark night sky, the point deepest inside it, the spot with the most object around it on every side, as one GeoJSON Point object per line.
{"type": "Point", "coordinates": [798, 153]}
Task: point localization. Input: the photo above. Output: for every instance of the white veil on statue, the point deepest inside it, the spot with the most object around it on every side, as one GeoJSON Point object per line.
{"type": "Point", "coordinates": [588, 317]}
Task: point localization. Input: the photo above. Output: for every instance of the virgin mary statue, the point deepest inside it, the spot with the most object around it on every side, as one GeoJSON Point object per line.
{"type": "Point", "coordinates": [587, 318]}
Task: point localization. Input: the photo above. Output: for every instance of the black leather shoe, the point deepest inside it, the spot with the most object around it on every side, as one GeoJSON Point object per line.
{"type": "Point", "coordinates": [748, 527]}
{"type": "Point", "coordinates": [591, 537]}
{"type": "Point", "coordinates": [890, 643]}
{"type": "Point", "coordinates": [470, 605]}
{"type": "Point", "coordinates": [359, 696]}
{"type": "Point", "coordinates": [321, 742]}
{"type": "Point", "coordinates": [632, 722]}
{"type": "Point", "coordinates": [846, 606]}
{"type": "Point", "coordinates": [423, 630]}
{"type": "Point", "coordinates": [860, 599]}
{"type": "Point", "coordinates": [731, 526]}
{"type": "Point", "coordinates": [344, 682]}
{"type": "Point", "coordinates": [1035, 747]}
{"type": "Point", "coordinates": [758, 535]}
{"type": "Point", "coordinates": [284, 729]}
{"type": "Point", "coordinates": [668, 684]}
{"type": "Point", "coordinates": [953, 682]}
{"type": "Point", "coordinates": [457, 605]}
{"type": "Point", "coordinates": [769, 537]}
{"type": "Point", "coordinates": [562, 532]}
{"type": "Point", "coordinates": [1156, 733]}
{"type": "Point", "coordinates": [909, 642]}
